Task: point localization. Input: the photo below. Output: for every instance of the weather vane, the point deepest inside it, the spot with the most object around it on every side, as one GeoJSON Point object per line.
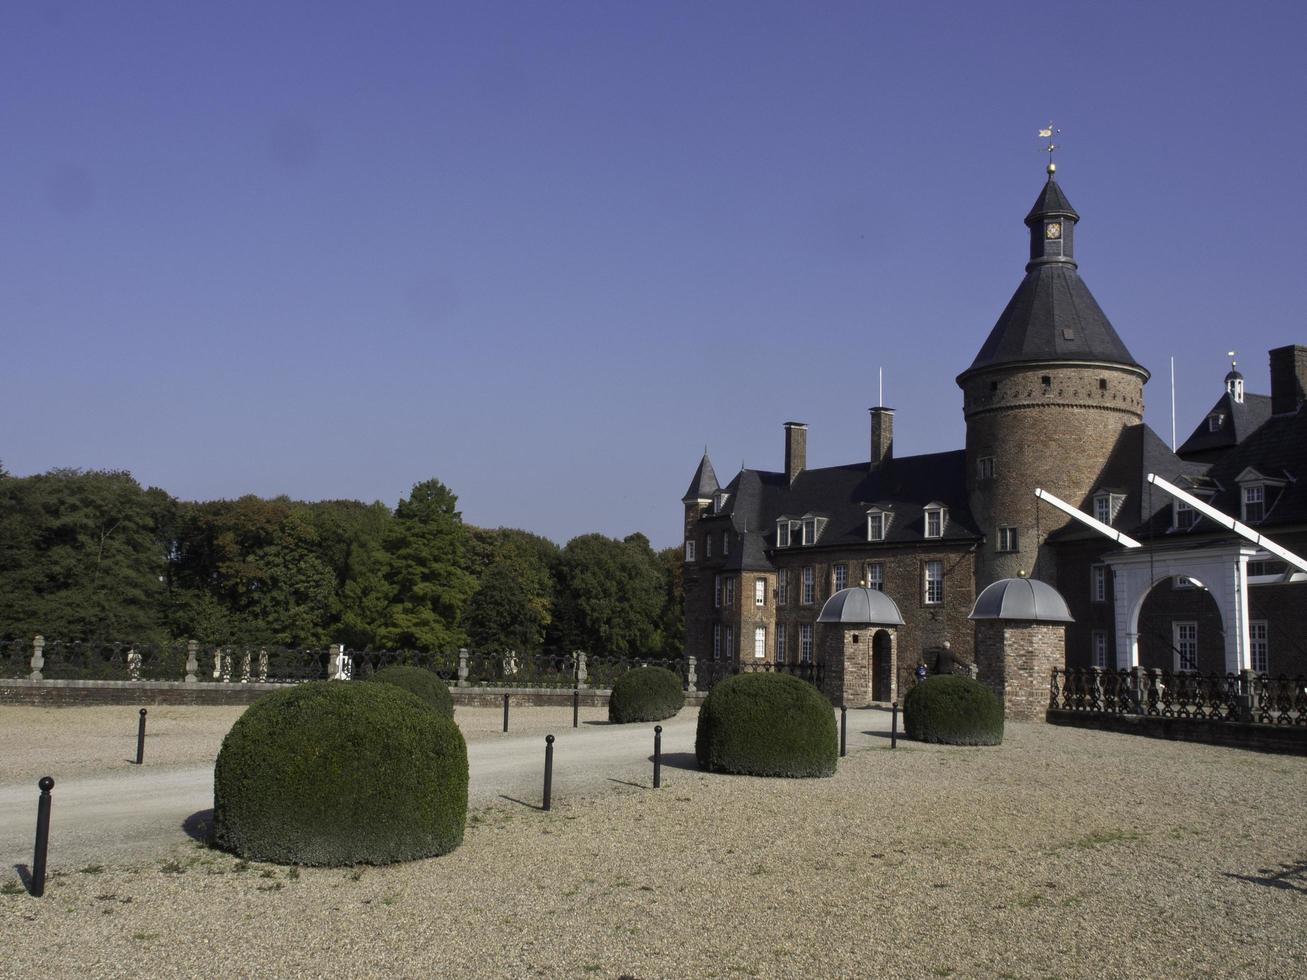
{"type": "Point", "coordinates": [1048, 133]}
{"type": "Point", "coordinates": [1233, 363]}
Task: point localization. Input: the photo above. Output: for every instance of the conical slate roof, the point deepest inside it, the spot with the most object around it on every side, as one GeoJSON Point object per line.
{"type": "Point", "coordinates": [704, 483]}
{"type": "Point", "coordinates": [1051, 200]}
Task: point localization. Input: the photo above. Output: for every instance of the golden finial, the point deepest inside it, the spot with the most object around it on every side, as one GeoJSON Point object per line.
{"type": "Point", "coordinates": [1233, 363]}
{"type": "Point", "coordinates": [1049, 133]}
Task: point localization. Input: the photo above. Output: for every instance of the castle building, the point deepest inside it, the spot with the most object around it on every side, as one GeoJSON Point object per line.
{"type": "Point", "coordinates": [1052, 400]}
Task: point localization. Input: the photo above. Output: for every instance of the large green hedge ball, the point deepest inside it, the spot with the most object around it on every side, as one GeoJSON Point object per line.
{"type": "Point", "coordinates": [767, 725]}
{"type": "Point", "coordinates": [645, 694]}
{"type": "Point", "coordinates": [336, 773]}
{"type": "Point", "coordinates": [953, 710]}
{"type": "Point", "coordinates": [425, 684]}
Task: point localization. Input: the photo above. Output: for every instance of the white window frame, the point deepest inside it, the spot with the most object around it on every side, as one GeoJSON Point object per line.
{"type": "Point", "coordinates": [876, 575]}
{"type": "Point", "coordinates": [1106, 505]}
{"type": "Point", "coordinates": [805, 643]}
{"type": "Point", "coordinates": [689, 549]}
{"type": "Point", "coordinates": [782, 587]}
{"type": "Point", "coordinates": [1253, 493]}
{"type": "Point", "coordinates": [760, 592]}
{"type": "Point", "coordinates": [730, 643]}
{"type": "Point", "coordinates": [1008, 538]}
{"type": "Point", "coordinates": [1184, 638]}
{"type": "Point", "coordinates": [933, 584]}
{"type": "Point", "coordinates": [717, 641]}
{"type": "Point", "coordinates": [940, 517]}
{"type": "Point", "coordinates": [809, 593]}
{"type": "Point", "coordinates": [780, 643]}
{"type": "Point", "coordinates": [1183, 515]}
{"type": "Point", "coordinates": [782, 534]}
{"type": "Point", "coordinates": [1259, 645]}
{"type": "Point", "coordinates": [717, 591]}
{"type": "Point", "coordinates": [1098, 647]}
{"type": "Point", "coordinates": [1098, 583]}
{"type": "Point", "coordinates": [760, 643]}
{"type": "Point", "coordinates": [809, 530]}
{"type": "Point", "coordinates": [877, 525]}
{"type": "Point", "coordinates": [839, 576]}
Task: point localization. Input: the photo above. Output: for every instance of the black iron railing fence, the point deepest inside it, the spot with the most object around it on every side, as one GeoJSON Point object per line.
{"type": "Point", "coordinates": [1242, 697]}
{"type": "Point", "coordinates": [235, 663]}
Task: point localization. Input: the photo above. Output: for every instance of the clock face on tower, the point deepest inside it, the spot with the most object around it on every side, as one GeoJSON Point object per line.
{"type": "Point", "coordinates": [1053, 230]}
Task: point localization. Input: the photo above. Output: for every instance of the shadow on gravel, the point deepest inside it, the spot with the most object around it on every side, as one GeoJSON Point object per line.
{"type": "Point", "coordinates": [595, 721]}
{"type": "Point", "coordinates": [680, 760]}
{"type": "Point", "coordinates": [199, 826]}
{"type": "Point", "coordinates": [627, 782]}
{"type": "Point", "coordinates": [529, 806]}
{"type": "Point", "coordinates": [1278, 879]}
{"type": "Point", "coordinates": [24, 875]}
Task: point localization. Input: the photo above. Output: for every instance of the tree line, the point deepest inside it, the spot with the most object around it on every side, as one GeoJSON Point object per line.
{"type": "Point", "coordinates": [91, 555]}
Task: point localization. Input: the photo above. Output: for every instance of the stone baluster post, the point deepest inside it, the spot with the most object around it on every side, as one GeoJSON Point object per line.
{"type": "Point", "coordinates": [691, 678]}
{"type": "Point", "coordinates": [1249, 688]}
{"type": "Point", "coordinates": [333, 663]}
{"type": "Point", "coordinates": [462, 667]}
{"type": "Point", "coordinates": [38, 656]}
{"type": "Point", "coordinates": [192, 660]}
{"type": "Point", "coordinates": [581, 676]}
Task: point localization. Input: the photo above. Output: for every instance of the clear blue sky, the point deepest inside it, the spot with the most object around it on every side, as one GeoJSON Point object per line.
{"type": "Point", "coordinates": [546, 251]}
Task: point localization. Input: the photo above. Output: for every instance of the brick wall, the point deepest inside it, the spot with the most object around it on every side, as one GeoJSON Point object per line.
{"type": "Point", "coordinates": [1016, 660]}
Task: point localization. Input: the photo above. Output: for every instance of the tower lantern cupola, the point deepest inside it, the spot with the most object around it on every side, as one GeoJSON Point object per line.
{"type": "Point", "coordinates": [1052, 223]}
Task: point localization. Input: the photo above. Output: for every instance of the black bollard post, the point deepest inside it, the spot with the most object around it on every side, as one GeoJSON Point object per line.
{"type": "Point", "coordinates": [42, 836]}
{"type": "Point", "coordinates": [549, 770]}
{"type": "Point", "coordinates": [844, 727]}
{"type": "Point", "coordinates": [505, 712]}
{"type": "Point", "coordinates": [576, 707]}
{"type": "Point", "coordinates": [894, 726]}
{"type": "Point", "coordinates": [140, 739]}
{"type": "Point", "coordinates": [658, 756]}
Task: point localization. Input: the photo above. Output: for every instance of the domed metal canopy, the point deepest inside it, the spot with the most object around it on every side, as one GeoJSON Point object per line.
{"type": "Point", "coordinates": [1025, 599]}
{"type": "Point", "coordinates": [860, 606]}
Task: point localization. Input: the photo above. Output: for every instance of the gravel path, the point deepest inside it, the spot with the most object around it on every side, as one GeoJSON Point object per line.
{"type": "Point", "coordinates": [1061, 853]}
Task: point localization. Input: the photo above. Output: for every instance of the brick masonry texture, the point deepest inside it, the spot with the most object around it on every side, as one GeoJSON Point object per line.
{"type": "Point", "coordinates": [1016, 662]}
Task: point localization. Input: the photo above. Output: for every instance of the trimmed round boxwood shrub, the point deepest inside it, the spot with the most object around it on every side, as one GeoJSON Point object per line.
{"type": "Point", "coordinates": [424, 683]}
{"type": "Point", "coordinates": [953, 710]}
{"type": "Point", "coordinates": [335, 773]}
{"type": "Point", "coordinates": [766, 725]}
{"type": "Point", "coordinates": [645, 694]}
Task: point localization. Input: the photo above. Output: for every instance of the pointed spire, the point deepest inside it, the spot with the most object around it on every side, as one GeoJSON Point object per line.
{"type": "Point", "coordinates": [704, 482]}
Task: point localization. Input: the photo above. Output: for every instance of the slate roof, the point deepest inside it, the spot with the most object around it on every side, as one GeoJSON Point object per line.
{"type": "Point", "coordinates": [842, 495]}
{"type": "Point", "coordinates": [1051, 200]}
{"type": "Point", "coordinates": [1241, 419]}
{"type": "Point", "coordinates": [1277, 449]}
{"type": "Point", "coordinates": [704, 482]}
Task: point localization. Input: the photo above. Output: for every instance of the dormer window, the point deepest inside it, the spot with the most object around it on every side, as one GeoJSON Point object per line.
{"type": "Point", "coordinates": [810, 530]}
{"type": "Point", "coordinates": [1257, 493]}
{"type": "Point", "coordinates": [1215, 421]}
{"type": "Point", "coordinates": [936, 519]}
{"type": "Point", "coordinates": [782, 533]}
{"type": "Point", "coordinates": [1254, 504]}
{"type": "Point", "coordinates": [1183, 516]}
{"type": "Point", "coordinates": [877, 524]}
{"type": "Point", "coordinates": [719, 500]}
{"type": "Point", "coordinates": [1106, 505]}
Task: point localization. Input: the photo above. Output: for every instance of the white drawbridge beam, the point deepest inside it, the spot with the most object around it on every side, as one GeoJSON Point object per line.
{"type": "Point", "coordinates": [1243, 530]}
{"type": "Point", "coordinates": [1104, 529]}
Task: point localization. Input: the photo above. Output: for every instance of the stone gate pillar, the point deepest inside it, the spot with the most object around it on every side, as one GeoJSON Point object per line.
{"type": "Point", "coordinates": [1020, 640]}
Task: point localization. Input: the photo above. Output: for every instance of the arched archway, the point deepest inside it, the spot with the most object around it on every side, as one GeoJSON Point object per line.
{"type": "Point", "coordinates": [1180, 629]}
{"type": "Point", "coordinates": [883, 666]}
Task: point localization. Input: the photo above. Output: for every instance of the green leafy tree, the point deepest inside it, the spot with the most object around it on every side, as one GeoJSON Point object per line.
{"type": "Point", "coordinates": [424, 555]}
{"type": "Point", "coordinates": [610, 596]}
{"type": "Point", "coordinates": [514, 602]}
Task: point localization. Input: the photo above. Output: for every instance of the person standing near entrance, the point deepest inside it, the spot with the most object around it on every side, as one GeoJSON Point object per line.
{"type": "Point", "coordinates": [921, 672]}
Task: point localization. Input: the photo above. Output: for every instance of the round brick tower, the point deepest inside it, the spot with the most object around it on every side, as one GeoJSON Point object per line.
{"type": "Point", "coordinates": [1045, 401]}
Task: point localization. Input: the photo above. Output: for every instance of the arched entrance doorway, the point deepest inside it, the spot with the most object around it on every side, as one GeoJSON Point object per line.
{"type": "Point", "coordinates": [882, 666]}
{"type": "Point", "coordinates": [1180, 629]}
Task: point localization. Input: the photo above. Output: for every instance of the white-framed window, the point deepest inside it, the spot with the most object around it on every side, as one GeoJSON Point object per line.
{"type": "Point", "coordinates": [717, 641]}
{"type": "Point", "coordinates": [1106, 505]}
{"type": "Point", "coordinates": [780, 643]}
{"type": "Point", "coordinates": [985, 468]}
{"type": "Point", "coordinates": [1183, 516]}
{"type": "Point", "coordinates": [760, 592]}
{"type": "Point", "coordinates": [934, 593]}
{"type": "Point", "coordinates": [810, 530]}
{"type": "Point", "coordinates": [840, 576]}
{"type": "Point", "coordinates": [730, 590]}
{"type": "Point", "coordinates": [809, 586]}
{"type": "Point", "coordinates": [726, 542]}
{"type": "Point", "coordinates": [1184, 637]}
{"type": "Point", "coordinates": [717, 591]}
{"type": "Point", "coordinates": [876, 575]}
{"type": "Point", "coordinates": [1254, 504]}
{"type": "Point", "coordinates": [936, 518]}
{"type": "Point", "coordinates": [877, 525]}
{"type": "Point", "coordinates": [1214, 421]}
{"type": "Point", "coordinates": [689, 550]}
{"type": "Point", "coordinates": [1098, 647]}
{"type": "Point", "coordinates": [730, 643]}
{"type": "Point", "coordinates": [782, 587]}
{"type": "Point", "coordinates": [1259, 645]}
{"type": "Point", "coordinates": [782, 534]}
{"type": "Point", "coordinates": [719, 501]}
{"type": "Point", "coordinates": [760, 643]}
{"type": "Point", "coordinates": [707, 545]}
{"type": "Point", "coordinates": [805, 643]}
{"type": "Point", "coordinates": [1007, 539]}
{"type": "Point", "coordinates": [1098, 583]}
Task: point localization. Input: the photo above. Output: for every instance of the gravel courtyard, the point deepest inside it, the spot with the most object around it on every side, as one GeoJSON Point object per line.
{"type": "Point", "coordinates": [1061, 853]}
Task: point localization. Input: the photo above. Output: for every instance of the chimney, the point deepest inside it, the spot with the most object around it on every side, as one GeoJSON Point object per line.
{"type": "Point", "coordinates": [796, 449]}
{"type": "Point", "coordinates": [1288, 378]}
{"type": "Point", "coordinates": [882, 436]}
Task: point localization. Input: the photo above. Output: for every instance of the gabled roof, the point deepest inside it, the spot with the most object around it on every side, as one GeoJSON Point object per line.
{"type": "Point", "coordinates": [704, 483]}
{"type": "Point", "coordinates": [1052, 317]}
{"type": "Point", "coordinates": [1239, 421]}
